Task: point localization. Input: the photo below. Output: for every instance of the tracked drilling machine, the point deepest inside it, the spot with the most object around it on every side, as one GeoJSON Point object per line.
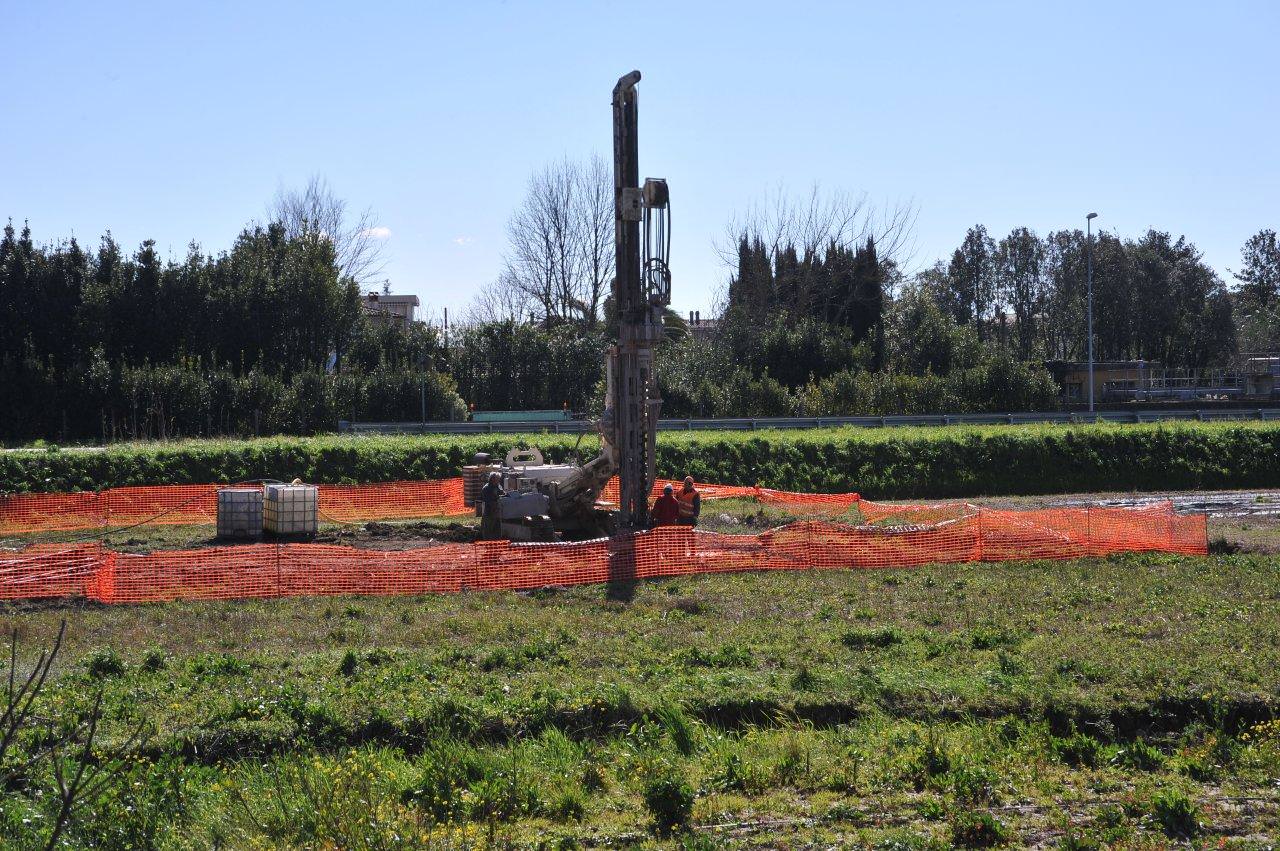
{"type": "Point", "coordinates": [543, 500]}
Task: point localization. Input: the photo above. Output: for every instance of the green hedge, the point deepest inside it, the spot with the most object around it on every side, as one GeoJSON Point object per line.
{"type": "Point", "coordinates": [880, 463]}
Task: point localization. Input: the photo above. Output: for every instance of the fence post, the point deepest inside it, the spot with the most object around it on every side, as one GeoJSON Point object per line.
{"type": "Point", "coordinates": [1088, 530]}
{"type": "Point", "coordinates": [982, 544]}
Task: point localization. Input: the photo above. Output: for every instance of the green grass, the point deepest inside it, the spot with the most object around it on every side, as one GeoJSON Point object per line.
{"type": "Point", "coordinates": [880, 463]}
{"type": "Point", "coordinates": [1115, 701]}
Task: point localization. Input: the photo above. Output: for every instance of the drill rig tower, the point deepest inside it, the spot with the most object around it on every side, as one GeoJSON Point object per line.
{"type": "Point", "coordinates": [641, 290]}
{"type": "Point", "coordinates": [543, 500]}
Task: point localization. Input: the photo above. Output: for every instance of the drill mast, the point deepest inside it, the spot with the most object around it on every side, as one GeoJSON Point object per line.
{"type": "Point", "coordinates": [640, 292]}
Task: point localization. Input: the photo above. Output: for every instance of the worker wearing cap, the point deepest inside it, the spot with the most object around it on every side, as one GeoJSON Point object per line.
{"type": "Point", "coordinates": [490, 521]}
{"type": "Point", "coordinates": [666, 511]}
{"type": "Point", "coordinates": [690, 503]}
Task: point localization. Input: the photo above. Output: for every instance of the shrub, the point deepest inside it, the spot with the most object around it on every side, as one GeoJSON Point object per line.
{"type": "Point", "coordinates": [669, 799]}
{"type": "Point", "coordinates": [888, 463]}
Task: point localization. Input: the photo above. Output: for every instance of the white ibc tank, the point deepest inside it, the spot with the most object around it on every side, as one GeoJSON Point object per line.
{"type": "Point", "coordinates": [240, 513]}
{"type": "Point", "coordinates": [291, 509]}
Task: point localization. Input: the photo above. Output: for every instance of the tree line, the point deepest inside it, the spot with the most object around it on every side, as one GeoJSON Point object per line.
{"type": "Point", "coordinates": [818, 318]}
{"type": "Point", "coordinates": [266, 337]}
{"type": "Point", "coordinates": [1154, 297]}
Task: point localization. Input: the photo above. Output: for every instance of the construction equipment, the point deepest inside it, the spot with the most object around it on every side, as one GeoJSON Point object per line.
{"type": "Point", "coordinates": [545, 499]}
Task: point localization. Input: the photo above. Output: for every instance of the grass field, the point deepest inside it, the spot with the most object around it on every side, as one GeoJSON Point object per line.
{"type": "Point", "coordinates": [1127, 702]}
{"type": "Point", "coordinates": [1124, 701]}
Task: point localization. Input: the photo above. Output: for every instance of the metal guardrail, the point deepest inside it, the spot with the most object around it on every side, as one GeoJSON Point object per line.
{"type": "Point", "coordinates": [757, 423]}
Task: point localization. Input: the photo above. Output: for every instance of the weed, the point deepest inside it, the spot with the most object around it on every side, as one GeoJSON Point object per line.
{"type": "Point", "coordinates": [931, 761]}
{"type": "Point", "coordinates": [987, 638]}
{"type": "Point", "coordinates": [932, 808]}
{"type": "Point", "coordinates": [1175, 813]}
{"type": "Point", "coordinates": [349, 664]}
{"type": "Point", "coordinates": [804, 679]}
{"type": "Point", "coordinates": [105, 663]}
{"type": "Point", "coordinates": [1140, 755]}
{"type": "Point", "coordinates": [669, 799]}
{"type": "Point", "coordinates": [1072, 841]}
{"type": "Point", "coordinates": [1077, 750]}
{"type": "Point", "coordinates": [978, 830]}
{"type": "Point", "coordinates": [844, 813]}
{"type": "Point", "coordinates": [154, 660]}
{"type": "Point", "coordinates": [973, 784]}
{"type": "Point", "coordinates": [728, 656]}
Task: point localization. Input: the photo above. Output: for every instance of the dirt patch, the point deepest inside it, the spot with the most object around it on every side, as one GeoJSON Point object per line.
{"type": "Point", "coordinates": [400, 536]}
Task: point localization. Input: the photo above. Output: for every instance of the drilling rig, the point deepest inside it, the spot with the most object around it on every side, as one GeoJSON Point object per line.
{"type": "Point", "coordinates": [543, 500]}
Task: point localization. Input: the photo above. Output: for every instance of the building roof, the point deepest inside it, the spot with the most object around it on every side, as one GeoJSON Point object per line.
{"type": "Point", "coordinates": [387, 298]}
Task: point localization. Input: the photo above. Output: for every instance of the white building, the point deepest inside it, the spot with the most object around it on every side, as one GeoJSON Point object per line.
{"type": "Point", "coordinates": [391, 308]}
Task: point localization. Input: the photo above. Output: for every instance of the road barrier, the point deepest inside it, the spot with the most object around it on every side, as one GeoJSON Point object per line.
{"type": "Point", "coordinates": [888, 536]}
{"type": "Point", "coordinates": [758, 423]}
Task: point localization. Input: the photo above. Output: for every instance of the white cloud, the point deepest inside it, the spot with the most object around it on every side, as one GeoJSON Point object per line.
{"type": "Point", "coordinates": [462, 240]}
{"type": "Point", "coordinates": [377, 233]}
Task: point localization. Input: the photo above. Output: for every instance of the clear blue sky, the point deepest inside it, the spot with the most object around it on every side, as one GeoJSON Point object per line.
{"type": "Point", "coordinates": [178, 121]}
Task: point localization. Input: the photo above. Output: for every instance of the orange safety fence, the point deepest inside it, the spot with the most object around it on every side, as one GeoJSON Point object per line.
{"type": "Point", "coordinates": [892, 536]}
{"type": "Point", "coordinates": [25, 513]}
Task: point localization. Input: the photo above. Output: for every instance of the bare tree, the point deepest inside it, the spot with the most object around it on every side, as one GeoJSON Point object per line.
{"type": "Point", "coordinates": [595, 233]}
{"type": "Point", "coordinates": [560, 252]}
{"type": "Point", "coordinates": [357, 238]}
{"type": "Point", "coordinates": [498, 301]}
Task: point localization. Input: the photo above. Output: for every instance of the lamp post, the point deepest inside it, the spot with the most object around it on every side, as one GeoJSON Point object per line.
{"type": "Point", "coordinates": [1088, 224]}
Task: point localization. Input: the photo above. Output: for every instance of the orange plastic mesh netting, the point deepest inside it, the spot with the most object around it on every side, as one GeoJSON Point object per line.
{"type": "Point", "coordinates": [25, 513]}
{"type": "Point", "coordinates": [892, 536]}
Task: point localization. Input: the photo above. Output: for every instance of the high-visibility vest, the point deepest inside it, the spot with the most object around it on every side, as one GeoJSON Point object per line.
{"type": "Point", "coordinates": [685, 498]}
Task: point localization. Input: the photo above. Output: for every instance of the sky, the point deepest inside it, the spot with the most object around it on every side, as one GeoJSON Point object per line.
{"type": "Point", "coordinates": [178, 122]}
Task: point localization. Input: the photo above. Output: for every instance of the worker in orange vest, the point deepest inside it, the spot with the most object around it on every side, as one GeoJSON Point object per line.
{"type": "Point", "coordinates": [690, 502]}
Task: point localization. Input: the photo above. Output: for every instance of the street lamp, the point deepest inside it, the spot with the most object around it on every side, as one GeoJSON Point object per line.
{"type": "Point", "coordinates": [1088, 224]}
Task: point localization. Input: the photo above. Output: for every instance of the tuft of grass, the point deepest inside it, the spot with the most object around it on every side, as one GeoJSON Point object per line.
{"type": "Point", "coordinates": [677, 726]}
{"type": "Point", "coordinates": [865, 639]}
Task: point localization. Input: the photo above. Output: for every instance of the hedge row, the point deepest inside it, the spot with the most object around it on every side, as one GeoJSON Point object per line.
{"type": "Point", "coordinates": [879, 463]}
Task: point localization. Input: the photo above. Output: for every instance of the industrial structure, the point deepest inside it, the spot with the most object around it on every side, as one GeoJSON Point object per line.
{"type": "Point", "coordinates": [543, 500]}
{"type": "Point", "coordinates": [1252, 379]}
